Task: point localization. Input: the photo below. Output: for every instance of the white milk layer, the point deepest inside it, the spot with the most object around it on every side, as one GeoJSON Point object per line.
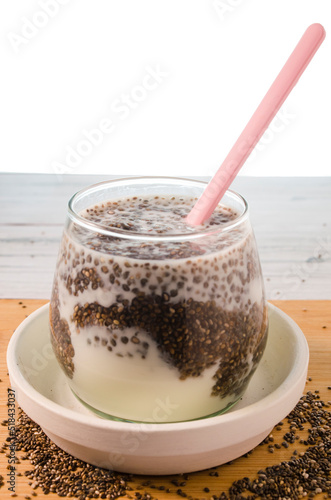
{"type": "Point", "coordinates": [147, 390]}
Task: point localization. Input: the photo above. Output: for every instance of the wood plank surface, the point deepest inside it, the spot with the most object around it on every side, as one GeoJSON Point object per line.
{"type": "Point", "coordinates": [314, 317]}
{"type": "Point", "coordinates": [290, 217]}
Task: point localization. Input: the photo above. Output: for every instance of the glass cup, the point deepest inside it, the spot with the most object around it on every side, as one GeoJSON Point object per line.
{"type": "Point", "coordinates": [152, 320]}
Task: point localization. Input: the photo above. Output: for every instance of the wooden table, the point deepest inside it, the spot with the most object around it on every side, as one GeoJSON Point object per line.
{"type": "Point", "coordinates": [314, 317]}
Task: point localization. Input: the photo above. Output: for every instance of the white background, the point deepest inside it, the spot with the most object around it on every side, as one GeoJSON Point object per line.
{"type": "Point", "coordinates": [67, 65]}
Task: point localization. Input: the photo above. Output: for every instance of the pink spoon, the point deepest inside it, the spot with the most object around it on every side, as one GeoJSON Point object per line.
{"type": "Point", "coordinates": [267, 109]}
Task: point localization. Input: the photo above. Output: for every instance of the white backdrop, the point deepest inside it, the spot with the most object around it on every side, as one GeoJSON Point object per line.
{"type": "Point", "coordinates": [158, 86]}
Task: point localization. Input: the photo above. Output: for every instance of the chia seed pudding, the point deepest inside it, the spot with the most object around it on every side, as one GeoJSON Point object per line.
{"type": "Point", "coordinates": [153, 320]}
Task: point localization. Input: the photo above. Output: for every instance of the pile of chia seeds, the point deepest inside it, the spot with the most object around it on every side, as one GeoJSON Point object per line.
{"type": "Point", "coordinates": [55, 471]}
{"type": "Point", "coordinates": [305, 475]}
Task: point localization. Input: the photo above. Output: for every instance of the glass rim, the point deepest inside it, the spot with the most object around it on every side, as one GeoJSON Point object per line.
{"type": "Point", "coordinates": [140, 236]}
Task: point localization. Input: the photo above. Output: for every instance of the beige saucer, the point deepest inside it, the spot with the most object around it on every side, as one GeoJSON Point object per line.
{"type": "Point", "coordinates": [43, 393]}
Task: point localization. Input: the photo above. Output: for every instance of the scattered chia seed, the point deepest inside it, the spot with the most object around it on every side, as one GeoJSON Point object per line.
{"type": "Point", "coordinates": [58, 472]}
{"type": "Point", "coordinates": [305, 474]}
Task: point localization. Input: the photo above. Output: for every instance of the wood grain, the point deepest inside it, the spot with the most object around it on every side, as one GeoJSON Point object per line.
{"type": "Point", "coordinates": [314, 317]}
{"type": "Point", "coordinates": [290, 216]}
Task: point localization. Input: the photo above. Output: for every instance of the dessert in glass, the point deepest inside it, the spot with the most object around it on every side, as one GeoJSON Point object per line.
{"type": "Point", "coordinates": [153, 320]}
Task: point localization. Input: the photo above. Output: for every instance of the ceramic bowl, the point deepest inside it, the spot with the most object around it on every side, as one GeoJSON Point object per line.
{"type": "Point", "coordinates": [42, 391]}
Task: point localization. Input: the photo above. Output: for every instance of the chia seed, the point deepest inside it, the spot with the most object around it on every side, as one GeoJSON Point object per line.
{"type": "Point", "coordinates": [305, 474]}
{"type": "Point", "coordinates": [58, 472]}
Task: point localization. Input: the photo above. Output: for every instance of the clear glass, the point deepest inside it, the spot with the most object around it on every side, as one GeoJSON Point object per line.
{"type": "Point", "coordinates": [152, 320]}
